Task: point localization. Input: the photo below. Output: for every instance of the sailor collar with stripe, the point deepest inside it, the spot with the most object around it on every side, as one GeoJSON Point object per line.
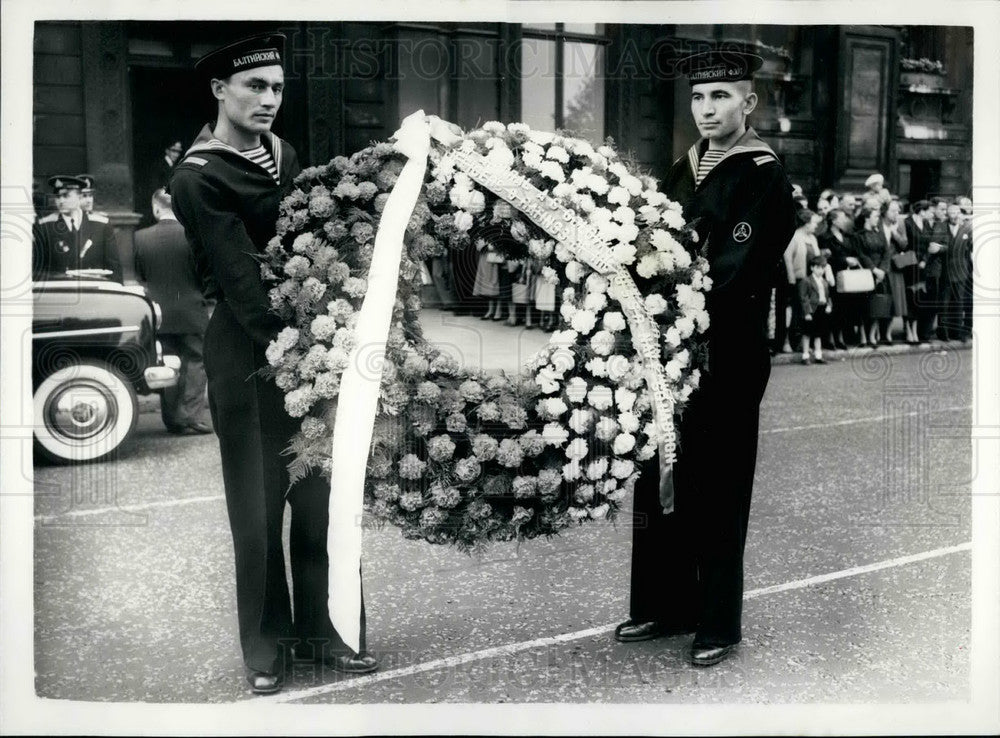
{"type": "Point", "coordinates": [748, 143]}
{"type": "Point", "coordinates": [207, 142]}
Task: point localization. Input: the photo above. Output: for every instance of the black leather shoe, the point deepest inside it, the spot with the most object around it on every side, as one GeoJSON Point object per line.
{"type": "Point", "coordinates": [199, 427]}
{"type": "Point", "coordinates": [361, 664]}
{"type": "Point", "coordinates": [262, 682]}
{"type": "Point", "coordinates": [708, 655]}
{"type": "Point", "coordinates": [631, 631]}
{"type": "Point", "coordinates": [356, 664]}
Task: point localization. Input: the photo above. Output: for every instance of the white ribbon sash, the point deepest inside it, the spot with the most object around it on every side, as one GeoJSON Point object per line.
{"type": "Point", "coordinates": [359, 387]}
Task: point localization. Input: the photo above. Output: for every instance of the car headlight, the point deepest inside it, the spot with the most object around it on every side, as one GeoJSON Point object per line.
{"type": "Point", "coordinates": [157, 314]}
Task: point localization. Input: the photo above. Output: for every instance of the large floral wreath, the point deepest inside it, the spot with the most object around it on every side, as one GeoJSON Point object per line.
{"type": "Point", "coordinates": [462, 456]}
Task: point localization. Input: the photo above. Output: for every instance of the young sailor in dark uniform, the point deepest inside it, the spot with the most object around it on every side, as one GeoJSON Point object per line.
{"type": "Point", "coordinates": [226, 192]}
{"type": "Point", "coordinates": [687, 566]}
{"type": "Point", "coordinates": [72, 238]}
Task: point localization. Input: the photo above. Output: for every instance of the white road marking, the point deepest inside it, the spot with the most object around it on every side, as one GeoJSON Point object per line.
{"type": "Point", "coordinates": [869, 419]}
{"type": "Point", "coordinates": [212, 498]}
{"type": "Point", "coordinates": [513, 648]}
{"type": "Point", "coordinates": [84, 512]}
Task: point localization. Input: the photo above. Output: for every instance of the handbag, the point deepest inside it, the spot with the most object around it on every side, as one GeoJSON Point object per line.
{"type": "Point", "coordinates": [880, 304]}
{"type": "Point", "coordinates": [855, 280]}
{"type": "Point", "coordinates": [519, 293]}
{"type": "Point", "coordinates": [903, 259]}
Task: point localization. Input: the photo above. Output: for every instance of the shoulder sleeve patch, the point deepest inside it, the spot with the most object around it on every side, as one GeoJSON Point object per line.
{"type": "Point", "coordinates": [98, 217]}
{"type": "Point", "coordinates": [50, 218]}
{"type": "Point", "coordinates": [763, 159]}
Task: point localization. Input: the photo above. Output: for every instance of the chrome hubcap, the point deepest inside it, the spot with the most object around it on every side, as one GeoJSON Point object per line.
{"type": "Point", "coordinates": [81, 410]}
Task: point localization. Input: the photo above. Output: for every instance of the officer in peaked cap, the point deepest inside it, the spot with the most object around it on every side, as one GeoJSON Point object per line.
{"type": "Point", "coordinates": [687, 565]}
{"type": "Point", "coordinates": [86, 192]}
{"type": "Point", "coordinates": [72, 238]}
{"type": "Point", "coordinates": [226, 191]}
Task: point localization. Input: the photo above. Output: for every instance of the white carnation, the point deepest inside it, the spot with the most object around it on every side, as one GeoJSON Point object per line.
{"type": "Point", "coordinates": [554, 434]}
{"type": "Point", "coordinates": [623, 253]}
{"type": "Point", "coordinates": [601, 397]}
{"type": "Point", "coordinates": [655, 304]}
{"type": "Point", "coordinates": [602, 343]}
{"type": "Point", "coordinates": [618, 196]}
{"type": "Point", "coordinates": [623, 443]}
{"type": "Point", "coordinates": [625, 399]}
{"type": "Point", "coordinates": [648, 266]}
{"type": "Point", "coordinates": [576, 390]}
{"type": "Point", "coordinates": [575, 271]}
{"type": "Point", "coordinates": [598, 367]}
{"type": "Point", "coordinates": [579, 420]}
{"type": "Point", "coordinates": [577, 449]}
{"type": "Point", "coordinates": [595, 302]}
{"type": "Point", "coordinates": [629, 422]}
{"type": "Point", "coordinates": [614, 322]}
{"type": "Point", "coordinates": [583, 321]}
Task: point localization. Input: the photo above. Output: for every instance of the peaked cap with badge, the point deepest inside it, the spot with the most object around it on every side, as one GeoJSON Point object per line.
{"type": "Point", "coordinates": [62, 243]}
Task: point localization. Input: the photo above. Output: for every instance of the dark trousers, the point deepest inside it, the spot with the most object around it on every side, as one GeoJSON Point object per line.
{"type": "Point", "coordinates": [928, 303]}
{"type": "Point", "coordinates": [784, 294]}
{"type": "Point", "coordinates": [955, 318]}
{"type": "Point", "coordinates": [185, 402]}
{"type": "Point", "coordinates": [440, 270]}
{"type": "Point", "coordinates": [253, 430]}
{"type": "Point", "coordinates": [687, 567]}
{"type": "Point", "coordinates": [819, 325]}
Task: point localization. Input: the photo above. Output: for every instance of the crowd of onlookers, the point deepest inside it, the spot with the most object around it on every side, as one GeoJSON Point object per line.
{"type": "Point", "coordinates": [858, 267]}
{"type": "Point", "coordinates": [481, 281]}
{"type": "Point", "coordinates": [859, 263]}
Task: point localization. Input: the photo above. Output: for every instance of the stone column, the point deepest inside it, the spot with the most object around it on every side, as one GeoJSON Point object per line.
{"type": "Point", "coordinates": [108, 122]}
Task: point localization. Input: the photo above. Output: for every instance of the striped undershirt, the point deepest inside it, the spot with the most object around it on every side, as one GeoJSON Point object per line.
{"type": "Point", "coordinates": [708, 160]}
{"type": "Point", "coordinates": [262, 156]}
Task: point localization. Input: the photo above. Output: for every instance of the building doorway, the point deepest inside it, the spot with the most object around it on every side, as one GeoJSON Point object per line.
{"type": "Point", "coordinates": [919, 180]}
{"type": "Point", "coordinates": [165, 107]}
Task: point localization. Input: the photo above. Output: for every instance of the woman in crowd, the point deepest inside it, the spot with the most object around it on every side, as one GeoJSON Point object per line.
{"type": "Point", "coordinates": [873, 251]}
{"type": "Point", "coordinates": [901, 258]}
{"type": "Point", "coordinates": [487, 283]}
{"type": "Point", "coordinates": [838, 247]}
{"type": "Point", "coordinates": [918, 227]}
{"type": "Point", "coordinates": [800, 249]}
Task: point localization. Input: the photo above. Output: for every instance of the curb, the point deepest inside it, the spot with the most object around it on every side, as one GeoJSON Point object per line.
{"type": "Point", "coordinates": [894, 349]}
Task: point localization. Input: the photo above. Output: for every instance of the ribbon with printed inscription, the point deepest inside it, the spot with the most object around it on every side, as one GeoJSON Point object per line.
{"type": "Point", "coordinates": [587, 245]}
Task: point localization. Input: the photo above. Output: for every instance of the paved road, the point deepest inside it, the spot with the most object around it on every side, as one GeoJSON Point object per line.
{"type": "Point", "coordinates": [863, 475]}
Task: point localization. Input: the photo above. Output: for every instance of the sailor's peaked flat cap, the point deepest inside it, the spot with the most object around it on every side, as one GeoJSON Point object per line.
{"type": "Point", "coordinates": [262, 50]}
{"type": "Point", "coordinates": [719, 65]}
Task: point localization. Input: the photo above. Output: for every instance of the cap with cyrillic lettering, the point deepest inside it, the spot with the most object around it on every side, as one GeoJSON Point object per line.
{"type": "Point", "coordinates": [262, 50]}
{"type": "Point", "coordinates": [719, 65]}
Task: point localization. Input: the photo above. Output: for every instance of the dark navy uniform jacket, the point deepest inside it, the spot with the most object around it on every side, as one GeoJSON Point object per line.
{"type": "Point", "coordinates": [228, 206]}
{"type": "Point", "coordinates": [93, 246]}
{"type": "Point", "coordinates": [744, 215]}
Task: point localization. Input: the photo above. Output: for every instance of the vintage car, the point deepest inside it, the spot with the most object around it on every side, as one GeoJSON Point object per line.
{"type": "Point", "coordinates": [94, 349]}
